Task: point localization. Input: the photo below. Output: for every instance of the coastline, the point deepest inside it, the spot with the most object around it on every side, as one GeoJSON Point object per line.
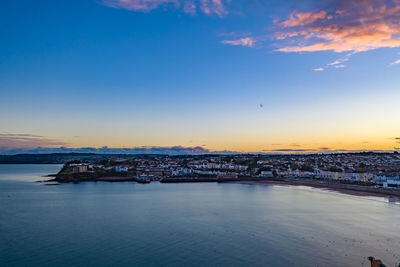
{"type": "Point", "coordinates": [351, 189]}
{"type": "Point", "coordinates": [356, 190]}
{"type": "Point", "coordinates": [112, 179]}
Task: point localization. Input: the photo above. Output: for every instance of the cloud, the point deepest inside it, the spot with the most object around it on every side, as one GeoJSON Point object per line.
{"type": "Point", "coordinates": [27, 141]}
{"type": "Point", "coordinates": [395, 63]}
{"type": "Point", "coordinates": [334, 63]}
{"type": "Point", "coordinates": [397, 139]}
{"type": "Point", "coordinates": [302, 150]}
{"type": "Point", "coordinates": [37, 144]}
{"type": "Point", "coordinates": [303, 18]}
{"type": "Point", "coordinates": [354, 26]}
{"type": "Point", "coordinates": [295, 145]}
{"type": "Point", "coordinates": [339, 61]}
{"type": "Point", "coordinates": [324, 148]}
{"type": "Point", "coordinates": [168, 150]}
{"type": "Point", "coordinates": [292, 150]}
{"type": "Point", "coordinates": [212, 7]}
{"type": "Point", "coordinates": [247, 41]}
{"type": "Point", "coordinates": [321, 150]}
{"type": "Point", "coordinates": [339, 66]}
{"type": "Point", "coordinates": [234, 34]}
{"type": "Point", "coordinates": [319, 69]}
{"type": "Point", "coordinates": [208, 7]}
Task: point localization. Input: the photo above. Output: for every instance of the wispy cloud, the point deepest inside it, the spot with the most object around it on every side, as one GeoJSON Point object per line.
{"type": "Point", "coordinates": [234, 34]}
{"type": "Point", "coordinates": [320, 150]}
{"type": "Point", "coordinates": [339, 66]}
{"type": "Point", "coordinates": [334, 63]}
{"type": "Point", "coordinates": [247, 41]}
{"type": "Point", "coordinates": [292, 150]}
{"type": "Point", "coordinates": [353, 26]}
{"type": "Point", "coordinates": [295, 145]}
{"type": "Point", "coordinates": [395, 63]}
{"type": "Point", "coordinates": [339, 61]}
{"type": "Point", "coordinates": [208, 7]}
{"type": "Point", "coordinates": [324, 148]}
{"type": "Point", "coordinates": [319, 69]}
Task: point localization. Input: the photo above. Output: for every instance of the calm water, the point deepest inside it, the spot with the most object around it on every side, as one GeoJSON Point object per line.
{"type": "Point", "coordinates": [116, 224]}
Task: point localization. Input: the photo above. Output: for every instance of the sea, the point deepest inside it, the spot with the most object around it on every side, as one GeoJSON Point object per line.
{"type": "Point", "coordinates": [188, 224]}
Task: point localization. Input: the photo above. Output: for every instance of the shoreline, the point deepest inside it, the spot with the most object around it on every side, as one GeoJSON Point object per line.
{"type": "Point", "coordinates": [351, 189]}
{"type": "Point", "coordinates": [355, 190]}
{"type": "Point", "coordinates": [111, 179]}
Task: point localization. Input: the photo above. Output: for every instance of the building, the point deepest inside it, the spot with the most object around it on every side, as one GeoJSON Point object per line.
{"type": "Point", "coordinates": [391, 184]}
{"type": "Point", "coordinates": [266, 174]}
{"type": "Point", "coordinates": [366, 177]}
{"type": "Point", "coordinates": [79, 169]}
{"type": "Point", "coordinates": [324, 174]}
{"type": "Point", "coordinates": [121, 169]}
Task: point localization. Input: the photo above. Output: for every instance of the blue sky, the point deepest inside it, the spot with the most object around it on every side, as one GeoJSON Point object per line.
{"type": "Point", "coordinates": [149, 73]}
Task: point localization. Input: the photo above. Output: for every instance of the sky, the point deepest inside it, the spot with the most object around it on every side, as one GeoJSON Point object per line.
{"type": "Point", "coordinates": [200, 75]}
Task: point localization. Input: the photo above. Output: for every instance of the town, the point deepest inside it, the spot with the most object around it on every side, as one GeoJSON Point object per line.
{"type": "Point", "coordinates": [366, 168]}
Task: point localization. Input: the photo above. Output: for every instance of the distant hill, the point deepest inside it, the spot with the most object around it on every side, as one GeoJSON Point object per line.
{"type": "Point", "coordinates": [61, 158]}
{"type": "Point", "coordinates": [50, 158]}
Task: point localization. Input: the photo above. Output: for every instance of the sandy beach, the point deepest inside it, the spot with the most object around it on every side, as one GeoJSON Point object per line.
{"type": "Point", "coordinates": [357, 190]}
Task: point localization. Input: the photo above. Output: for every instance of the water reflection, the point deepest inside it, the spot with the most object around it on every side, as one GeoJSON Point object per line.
{"type": "Point", "coordinates": [190, 224]}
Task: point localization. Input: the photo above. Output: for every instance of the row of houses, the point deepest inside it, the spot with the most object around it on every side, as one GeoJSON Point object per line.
{"type": "Point", "coordinates": [385, 181]}
{"type": "Point", "coordinates": [218, 166]}
{"type": "Point", "coordinates": [349, 176]}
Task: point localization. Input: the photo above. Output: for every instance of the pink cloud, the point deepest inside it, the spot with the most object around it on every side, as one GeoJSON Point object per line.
{"type": "Point", "coordinates": [208, 7]}
{"type": "Point", "coordinates": [338, 62]}
{"type": "Point", "coordinates": [234, 34]}
{"type": "Point", "coordinates": [247, 41]}
{"type": "Point", "coordinates": [355, 26]}
{"type": "Point", "coordinates": [395, 63]}
{"type": "Point", "coordinates": [303, 18]}
{"type": "Point", "coordinates": [339, 66]}
{"type": "Point", "coordinates": [212, 7]}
